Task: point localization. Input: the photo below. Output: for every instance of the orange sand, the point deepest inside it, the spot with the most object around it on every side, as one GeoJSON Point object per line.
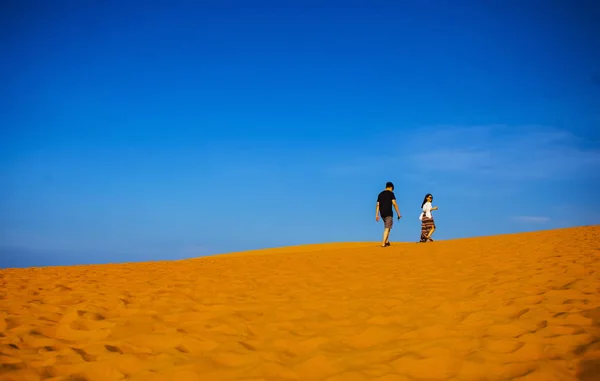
{"type": "Point", "coordinates": [523, 307]}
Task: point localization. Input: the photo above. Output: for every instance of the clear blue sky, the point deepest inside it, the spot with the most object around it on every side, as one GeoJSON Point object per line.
{"type": "Point", "coordinates": [174, 129]}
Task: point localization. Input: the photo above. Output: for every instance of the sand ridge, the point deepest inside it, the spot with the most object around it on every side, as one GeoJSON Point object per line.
{"type": "Point", "coordinates": [513, 307]}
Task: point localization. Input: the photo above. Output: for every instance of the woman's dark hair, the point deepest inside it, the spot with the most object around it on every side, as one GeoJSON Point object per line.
{"type": "Point", "coordinates": [425, 199]}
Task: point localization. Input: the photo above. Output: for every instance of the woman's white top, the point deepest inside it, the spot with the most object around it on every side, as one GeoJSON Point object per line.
{"type": "Point", "coordinates": [427, 210]}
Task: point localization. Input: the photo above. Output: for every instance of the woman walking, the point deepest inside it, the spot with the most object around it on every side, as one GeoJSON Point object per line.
{"type": "Point", "coordinates": [427, 223]}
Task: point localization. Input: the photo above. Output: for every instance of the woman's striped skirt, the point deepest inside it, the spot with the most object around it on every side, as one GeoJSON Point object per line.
{"type": "Point", "coordinates": [427, 224]}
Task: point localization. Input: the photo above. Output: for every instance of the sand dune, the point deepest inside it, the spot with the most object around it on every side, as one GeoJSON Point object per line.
{"type": "Point", "coordinates": [523, 307]}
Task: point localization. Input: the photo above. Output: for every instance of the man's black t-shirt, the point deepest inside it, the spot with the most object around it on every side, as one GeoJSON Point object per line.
{"type": "Point", "coordinates": [385, 203]}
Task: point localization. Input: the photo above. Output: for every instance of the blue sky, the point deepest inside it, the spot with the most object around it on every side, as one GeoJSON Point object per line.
{"type": "Point", "coordinates": [167, 130]}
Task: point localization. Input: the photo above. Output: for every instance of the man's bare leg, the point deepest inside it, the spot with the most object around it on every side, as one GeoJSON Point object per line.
{"type": "Point", "coordinates": [386, 235]}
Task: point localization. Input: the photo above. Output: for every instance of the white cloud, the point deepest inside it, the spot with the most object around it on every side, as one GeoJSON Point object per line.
{"type": "Point", "coordinates": [532, 219]}
{"type": "Point", "coordinates": [493, 152]}
{"type": "Point", "coordinates": [529, 152]}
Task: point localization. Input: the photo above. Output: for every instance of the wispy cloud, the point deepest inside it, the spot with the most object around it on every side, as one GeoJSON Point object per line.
{"type": "Point", "coordinates": [493, 152]}
{"type": "Point", "coordinates": [532, 219]}
{"type": "Point", "coordinates": [512, 153]}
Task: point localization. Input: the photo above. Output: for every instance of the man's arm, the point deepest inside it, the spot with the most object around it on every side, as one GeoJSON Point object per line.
{"type": "Point", "coordinates": [396, 207]}
{"type": "Point", "coordinates": [377, 211]}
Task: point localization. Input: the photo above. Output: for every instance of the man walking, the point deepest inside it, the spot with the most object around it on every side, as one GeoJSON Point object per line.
{"type": "Point", "coordinates": [385, 200]}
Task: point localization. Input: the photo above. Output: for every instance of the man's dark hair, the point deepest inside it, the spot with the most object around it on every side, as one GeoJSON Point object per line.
{"type": "Point", "coordinates": [389, 184]}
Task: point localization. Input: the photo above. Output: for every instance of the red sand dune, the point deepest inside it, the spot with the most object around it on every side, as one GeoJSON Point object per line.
{"type": "Point", "coordinates": [514, 307]}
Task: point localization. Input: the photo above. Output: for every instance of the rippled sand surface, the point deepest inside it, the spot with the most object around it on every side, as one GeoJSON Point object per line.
{"type": "Point", "coordinates": [514, 307]}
